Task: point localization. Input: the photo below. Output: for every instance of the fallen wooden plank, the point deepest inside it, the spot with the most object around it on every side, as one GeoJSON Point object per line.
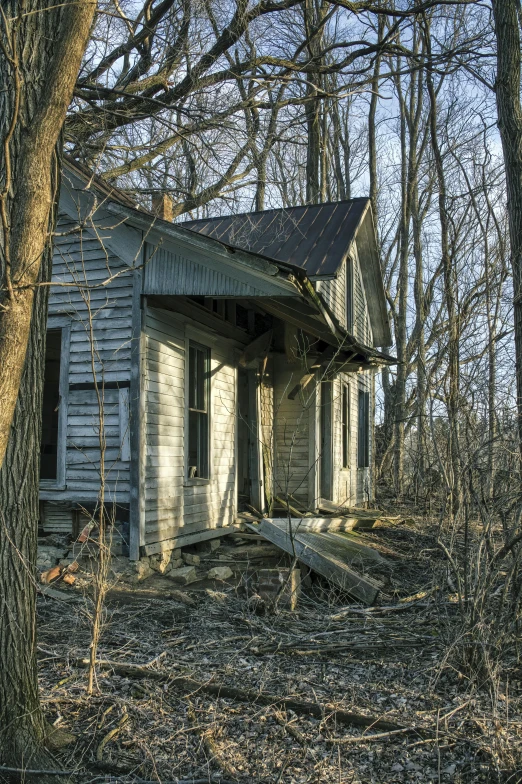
{"type": "Point", "coordinates": [184, 540]}
{"type": "Point", "coordinates": [335, 538]}
{"type": "Point", "coordinates": [328, 565]}
{"type": "Point", "coordinates": [61, 596]}
{"type": "Point", "coordinates": [319, 524]}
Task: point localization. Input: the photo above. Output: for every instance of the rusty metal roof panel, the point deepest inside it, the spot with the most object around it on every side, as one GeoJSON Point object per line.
{"type": "Point", "coordinates": [315, 237]}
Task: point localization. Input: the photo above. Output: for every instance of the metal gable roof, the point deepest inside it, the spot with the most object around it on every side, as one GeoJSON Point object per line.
{"type": "Point", "coordinates": [315, 237]}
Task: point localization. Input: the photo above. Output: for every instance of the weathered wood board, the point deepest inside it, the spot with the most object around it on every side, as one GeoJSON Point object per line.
{"type": "Point", "coordinates": [322, 553]}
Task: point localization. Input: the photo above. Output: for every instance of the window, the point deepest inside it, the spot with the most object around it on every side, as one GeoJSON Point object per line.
{"type": "Point", "coordinates": [349, 294]}
{"type": "Point", "coordinates": [345, 424]}
{"type": "Point", "coordinates": [363, 443]}
{"type": "Point", "coordinates": [198, 411]}
{"type": "Point", "coordinates": [50, 407]}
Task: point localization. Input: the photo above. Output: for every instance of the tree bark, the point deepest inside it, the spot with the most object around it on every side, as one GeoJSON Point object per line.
{"type": "Point", "coordinates": [509, 110]}
{"type": "Point", "coordinates": [40, 55]}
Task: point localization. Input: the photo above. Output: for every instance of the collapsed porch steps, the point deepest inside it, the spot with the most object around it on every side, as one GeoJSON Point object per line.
{"type": "Point", "coordinates": [329, 553]}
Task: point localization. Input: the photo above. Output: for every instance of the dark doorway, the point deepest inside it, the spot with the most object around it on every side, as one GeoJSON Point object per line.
{"type": "Point", "coordinates": [50, 408]}
{"type": "Point", "coordinates": [326, 457]}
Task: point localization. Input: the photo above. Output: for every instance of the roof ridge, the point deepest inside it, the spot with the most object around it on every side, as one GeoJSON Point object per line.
{"type": "Point", "coordinates": [278, 209]}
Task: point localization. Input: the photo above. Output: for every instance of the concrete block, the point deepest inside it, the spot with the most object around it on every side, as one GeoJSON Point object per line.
{"type": "Point", "coordinates": [191, 559]}
{"type": "Point", "coordinates": [162, 562]}
{"type": "Point", "coordinates": [220, 573]}
{"type": "Point", "coordinates": [183, 576]}
{"type": "Point", "coordinates": [143, 569]}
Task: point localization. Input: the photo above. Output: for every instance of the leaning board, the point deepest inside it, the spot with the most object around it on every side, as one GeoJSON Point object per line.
{"type": "Point", "coordinates": [315, 550]}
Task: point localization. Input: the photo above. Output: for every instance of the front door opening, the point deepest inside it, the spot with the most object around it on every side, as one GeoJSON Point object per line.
{"type": "Point", "coordinates": [50, 408]}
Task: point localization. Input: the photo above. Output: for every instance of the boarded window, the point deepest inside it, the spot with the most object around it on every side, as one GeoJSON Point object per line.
{"type": "Point", "coordinates": [363, 442]}
{"type": "Point", "coordinates": [345, 424]}
{"type": "Point", "coordinates": [50, 407]}
{"type": "Point", "coordinates": [349, 295]}
{"type": "Point", "coordinates": [198, 411]}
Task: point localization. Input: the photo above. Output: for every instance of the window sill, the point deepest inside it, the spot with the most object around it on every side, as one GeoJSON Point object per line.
{"type": "Point", "coordinates": [196, 481]}
{"type": "Point", "coordinates": [49, 484]}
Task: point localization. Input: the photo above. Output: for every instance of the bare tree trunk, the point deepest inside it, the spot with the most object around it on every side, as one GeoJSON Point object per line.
{"type": "Point", "coordinates": [22, 728]}
{"type": "Point", "coordinates": [40, 55]}
{"type": "Point", "coordinates": [420, 308]}
{"type": "Point", "coordinates": [314, 13]}
{"type": "Point", "coordinates": [507, 88]}
{"type": "Point", "coordinates": [372, 143]}
{"type": "Point", "coordinates": [401, 321]}
{"type": "Point", "coordinates": [449, 295]}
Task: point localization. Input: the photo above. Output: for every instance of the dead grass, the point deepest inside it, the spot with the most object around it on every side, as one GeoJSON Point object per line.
{"type": "Point", "coordinates": [397, 665]}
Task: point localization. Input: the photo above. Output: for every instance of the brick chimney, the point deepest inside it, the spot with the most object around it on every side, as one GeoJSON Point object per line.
{"type": "Point", "coordinates": [162, 206]}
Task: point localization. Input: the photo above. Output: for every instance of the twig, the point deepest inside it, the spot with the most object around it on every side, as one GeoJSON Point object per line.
{"type": "Point", "coordinates": [254, 697]}
{"type": "Point", "coordinates": [33, 772]}
{"type": "Point", "coordinates": [110, 735]}
{"type": "Point", "coordinates": [366, 738]}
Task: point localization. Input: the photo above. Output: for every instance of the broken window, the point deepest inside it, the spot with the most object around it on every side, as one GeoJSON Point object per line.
{"type": "Point", "coordinates": [345, 424]}
{"type": "Point", "coordinates": [363, 443]}
{"type": "Point", "coordinates": [198, 411]}
{"type": "Point", "coordinates": [50, 407]}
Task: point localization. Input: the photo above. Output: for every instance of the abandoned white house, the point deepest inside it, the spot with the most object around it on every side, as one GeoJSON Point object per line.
{"type": "Point", "coordinates": [234, 357]}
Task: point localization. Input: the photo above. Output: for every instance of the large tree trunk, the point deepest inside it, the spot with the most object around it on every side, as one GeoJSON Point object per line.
{"type": "Point", "coordinates": [40, 56]}
{"type": "Point", "coordinates": [510, 124]}
{"type": "Point", "coordinates": [22, 729]}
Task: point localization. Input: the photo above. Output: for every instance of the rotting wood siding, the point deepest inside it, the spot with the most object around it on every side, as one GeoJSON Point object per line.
{"type": "Point", "coordinates": [291, 432]}
{"type": "Point", "coordinates": [80, 258]}
{"type": "Point", "coordinates": [333, 292]}
{"type": "Point", "coordinates": [352, 486]}
{"type": "Point", "coordinates": [174, 506]}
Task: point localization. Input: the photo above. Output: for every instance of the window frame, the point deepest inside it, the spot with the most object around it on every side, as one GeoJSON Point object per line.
{"type": "Point", "coordinates": [194, 342]}
{"type": "Point", "coordinates": [363, 429]}
{"type": "Point", "coordinates": [346, 411]}
{"type": "Point", "coordinates": [59, 324]}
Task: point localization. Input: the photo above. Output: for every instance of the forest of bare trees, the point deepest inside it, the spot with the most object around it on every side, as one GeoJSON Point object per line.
{"type": "Point", "coordinates": [236, 106]}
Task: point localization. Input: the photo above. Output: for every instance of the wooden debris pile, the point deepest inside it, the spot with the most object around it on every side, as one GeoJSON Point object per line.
{"type": "Point", "coordinates": [334, 546]}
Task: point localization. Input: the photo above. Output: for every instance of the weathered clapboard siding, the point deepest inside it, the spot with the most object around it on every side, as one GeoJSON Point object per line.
{"type": "Point", "coordinates": [173, 506]}
{"type": "Point", "coordinates": [81, 259]}
{"type": "Point", "coordinates": [291, 432]}
{"type": "Point", "coordinates": [362, 327]}
{"type": "Point", "coordinates": [351, 485]}
{"type": "Point", "coordinates": [333, 292]}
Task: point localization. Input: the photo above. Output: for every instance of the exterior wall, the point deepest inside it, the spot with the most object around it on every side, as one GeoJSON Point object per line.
{"type": "Point", "coordinates": [333, 293]}
{"type": "Point", "coordinates": [363, 331]}
{"type": "Point", "coordinates": [81, 258]}
{"type": "Point", "coordinates": [173, 505]}
{"type": "Point", "coordinates": [352, 486]}
{"type": "Point", "coordinates": [294, 433]}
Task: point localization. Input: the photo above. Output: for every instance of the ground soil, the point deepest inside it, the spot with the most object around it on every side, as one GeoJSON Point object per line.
{"type": "Point", "coordinates": [398, 661]}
